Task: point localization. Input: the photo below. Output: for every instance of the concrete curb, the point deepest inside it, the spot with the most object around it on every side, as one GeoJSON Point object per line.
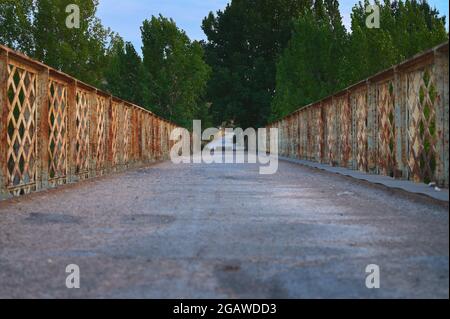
{"type": "Point", "coordinates": [387, 181]}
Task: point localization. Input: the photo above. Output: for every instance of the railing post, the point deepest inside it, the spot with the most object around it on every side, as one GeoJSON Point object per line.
{"type": "Point", "coordinates": [442, 118]}
{"type": "Point", "coordinates": [295, 128]}
{"type": "Point", "coordinates": [345, 131]}
{"type": "Point", "coordinates": [120, 135]}
{"type": "Point", "coordinates": [163, 141]}
{"type": "Point", "coordinates": [71, 130]}
{"type": "Point", "coordinates": [322, 134]}
{"type": "Point", "coordinates": [332, 132]}
{"type": "Point", "coordinates": [42, 132]}
{"type": "Point", "coordinates": [129, 132]}
{"type": "Point", "coordinates": [139, 137]}
{"type": "Point", "coordinates": [283, 137]}
{"type": "Point", "coordinates": [354, 142]}
{"type": "Point", "coordinates": [132, 158]}
{"type": "Point", "coordinates": [337, 105]}
{"type": "Point", "coordinates": [160, 140]}
{"type": "Point", "coordinates": [401, 131]}
{"type": "Point", "coordinates": [3, 124]}
{"type": "Point", "coordinates": [371, 128]}
{"type": "Point", "coordinates": [146, 129]}
{"type": "Point", "coordinates": [155, 138]}
{"type": "Point", "coordinates": [132, 137]}
{"type": "Point", "coordinates": [166, 138]}
{"type": "Point", "coordinates": [145, 137]}
{"type": "Point", "coordinates": [109, 134]}
{"type": "Point", "coordinates": [92, 133]}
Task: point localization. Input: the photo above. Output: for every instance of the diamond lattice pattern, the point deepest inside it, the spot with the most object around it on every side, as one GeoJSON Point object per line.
{"type": "Point", "coordinates": [21, 136]}
{"type": "Point", "coordinates": [422, 97]}
{"type": "Point", "coordinates": [57, 120]}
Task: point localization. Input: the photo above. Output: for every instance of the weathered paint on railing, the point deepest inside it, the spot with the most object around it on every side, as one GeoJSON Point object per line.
{"type": "Point", "coordinates": [55, 129]}
{"type": "Point", "coordinates": [394, 123]}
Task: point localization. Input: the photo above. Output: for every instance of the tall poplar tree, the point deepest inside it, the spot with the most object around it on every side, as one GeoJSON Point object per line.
{"type": "Point", "coordinates": [244, 42]}
{"type": "Point", "coordinates": [175, 72]}
{"type": "Point", "coordinates": [125, 72]}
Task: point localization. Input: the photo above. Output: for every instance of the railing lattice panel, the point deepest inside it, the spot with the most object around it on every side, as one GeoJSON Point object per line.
{"type": "Point", "coordinates": [57, 122]}
{"type": "Point", "coordinates": [21, 129]}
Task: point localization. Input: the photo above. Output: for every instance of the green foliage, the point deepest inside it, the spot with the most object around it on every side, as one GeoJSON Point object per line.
{"type": "Point", "coordinates": [407, 28]}
{"type": "Point", "coordinates": [244, 42]}
{"type": "Point", "coordinates": [322, 58]}
{"type": "Point", "coordinates": [79, 52]}
{"type": "Point", "coordinates": [38, 29]}
{"type": "Point", "coordinates": [170, 81]}
{"type": "Point", "coordinates": [313, 64]}
{"type": "Point", "coordinates": [125, 72]}
{"type": "Point", "coordinates": [15, 24]}
{"type": "Point", "coordinates": [176, 74]}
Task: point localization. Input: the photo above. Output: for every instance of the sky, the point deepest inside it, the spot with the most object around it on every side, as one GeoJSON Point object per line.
{"type": "Point", "coordinates": [126, 16]}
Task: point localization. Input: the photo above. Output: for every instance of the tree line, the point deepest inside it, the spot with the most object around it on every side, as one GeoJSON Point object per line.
{"type": "Point", "coordinates": [271, 57]}
{"type": "Point", "coordinates": [169, 79]}
{"type": "Point", "coordinates": [262, 58]}
{"type": "Point", "coordinates": [321, 51]}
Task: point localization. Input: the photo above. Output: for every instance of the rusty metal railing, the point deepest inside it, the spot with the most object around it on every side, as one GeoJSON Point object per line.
{"type": "Point", "coordinates": [55, 129]}
{"type": "Point", "coordinates": [395, 123]}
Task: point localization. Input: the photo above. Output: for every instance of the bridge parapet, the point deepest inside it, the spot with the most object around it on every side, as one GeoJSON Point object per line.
{"type": "Point", "coordinates": [55, 129]}
{"type": "Point", "coordinates": [395, 123]}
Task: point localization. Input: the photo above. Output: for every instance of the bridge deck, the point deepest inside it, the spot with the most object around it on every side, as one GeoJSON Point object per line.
{"type": "Point", "coordinates": [223, 231]}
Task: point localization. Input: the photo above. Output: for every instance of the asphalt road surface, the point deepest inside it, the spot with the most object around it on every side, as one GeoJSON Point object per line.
{"type": "Point", "coordinates": [223, 231]}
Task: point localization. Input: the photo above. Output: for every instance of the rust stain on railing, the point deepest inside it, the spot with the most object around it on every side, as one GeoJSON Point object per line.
{"type": "Point", "coordinates": [394, 123]}
{"type": "Point", "coordinates": [55, 129]}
